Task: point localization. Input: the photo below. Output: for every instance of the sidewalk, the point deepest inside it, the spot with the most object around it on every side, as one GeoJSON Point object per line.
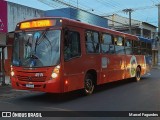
{"type": "Point", "coordinates": [156, 67]}
{"type": "Point", "coordinates": [7, 92]}
{"type": "Point", "coordinates": [7, 81]}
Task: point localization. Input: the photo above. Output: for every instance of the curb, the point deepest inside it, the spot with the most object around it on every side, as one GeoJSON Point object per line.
{"type": "Point", "coordinates": [156, 67]}
{"type": "Point", "coordinates": [5, 85]}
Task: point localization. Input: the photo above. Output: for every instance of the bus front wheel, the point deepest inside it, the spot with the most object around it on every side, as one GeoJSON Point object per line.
{"type": "Point", "coordinates": [88, 84]}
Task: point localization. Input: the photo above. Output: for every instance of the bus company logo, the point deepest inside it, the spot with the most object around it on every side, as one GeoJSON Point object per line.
{"type": "Point", "coordinates": [29, 78]}
{"type": "Point", "coordinates": [21, 114]}
{"type": "Point", "coordinates": [39, 74]}
{"type": "Point", "coordinates": [133, 66]}
{"type": "Point", "coordinates": [6, 114]}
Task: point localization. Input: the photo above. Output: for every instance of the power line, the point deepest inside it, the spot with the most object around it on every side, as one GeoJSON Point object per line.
{"type": "Point", "coordinates": [61, 3]}
{"type": "Point", "coordinates": [83, 7]}
{"type": "Point", "coordinates": [135, 9]}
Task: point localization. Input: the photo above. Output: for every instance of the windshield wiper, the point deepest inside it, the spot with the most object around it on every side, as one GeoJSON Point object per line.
{"type": "Point", "coordinates": [39, 40]}
{"type": "Point", "coordinates": [28, 44]}
{"type": "Point", "coordinates": [43, 35]}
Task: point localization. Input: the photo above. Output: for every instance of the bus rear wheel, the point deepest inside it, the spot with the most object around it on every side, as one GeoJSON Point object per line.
{"type": "Point", "coordinates": [138, 74]}
{"type": "Point", "coordinates": [88, 85]}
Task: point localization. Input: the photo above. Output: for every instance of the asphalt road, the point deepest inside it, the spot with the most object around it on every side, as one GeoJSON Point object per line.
{"type": "Point", "coordinates": [125, 95]}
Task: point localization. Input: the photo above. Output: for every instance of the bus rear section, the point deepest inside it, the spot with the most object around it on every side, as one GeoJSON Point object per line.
{"type": "Point", "coordinates": [146, 45]}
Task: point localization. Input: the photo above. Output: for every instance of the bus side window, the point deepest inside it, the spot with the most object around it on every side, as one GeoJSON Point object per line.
{"type": "Point", "coordinates": [128, 47]}
{"type": "Point", "coordinates": [66, 39]}
{"type": "Point", "coordinates": [92, 42]}
{"type": "Point", "coordinates": [149, 49]}
{"type": "Point", "coordinates": [106, 44]}
{"type": "Point", "coordinates": [136, 48]}
{"type": "Point", "coordinates": [143, 46]}
{"type": "Point", "coordinates": [71, 45]}
{"type": "Point", "coordinates": [119, 45]}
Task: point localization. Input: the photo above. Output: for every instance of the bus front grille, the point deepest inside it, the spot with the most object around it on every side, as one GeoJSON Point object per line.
{"type": "Point", "coordinates": [32, 78]}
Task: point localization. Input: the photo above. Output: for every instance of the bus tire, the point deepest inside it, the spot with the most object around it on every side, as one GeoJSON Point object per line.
{"type": "Point", "coordinates": [88, 84]}
{"type": "Point", "coordinates": [138, 74]}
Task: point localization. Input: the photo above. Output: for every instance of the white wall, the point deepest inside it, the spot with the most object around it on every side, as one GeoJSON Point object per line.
{"type": "Point", "coordinates": [2, 39]}
{"type": "Point", "coordinates": [17, 13]}
{"type": "Point", "coordinates": [123, 21]}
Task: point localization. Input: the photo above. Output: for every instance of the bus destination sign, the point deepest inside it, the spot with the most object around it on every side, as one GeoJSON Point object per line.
{"type": "Point", "coordinates": [37, 24]}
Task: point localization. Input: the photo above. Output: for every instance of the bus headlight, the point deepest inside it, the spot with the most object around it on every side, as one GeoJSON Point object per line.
{"type": "Point", "coordinates": [55, 71]}
{"type": "Point", "coordinates": [12, 73]}
{"type": "Point", "coordinates": [54, 75]}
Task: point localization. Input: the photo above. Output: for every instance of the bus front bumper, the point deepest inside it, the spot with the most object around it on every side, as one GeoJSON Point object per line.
{"type": "Point", "coordinates": [50, 86]}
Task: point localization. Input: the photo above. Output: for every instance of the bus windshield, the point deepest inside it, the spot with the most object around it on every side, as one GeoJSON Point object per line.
{"type": "Point", "coordinates": [36, 48]}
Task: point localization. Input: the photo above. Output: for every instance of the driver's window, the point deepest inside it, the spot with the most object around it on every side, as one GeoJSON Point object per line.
{"type": "Point", "coordinates": [71, 45]}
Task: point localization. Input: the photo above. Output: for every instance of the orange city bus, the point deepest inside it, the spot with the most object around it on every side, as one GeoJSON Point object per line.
{"type": "Point", "coordinates": [58, 55]}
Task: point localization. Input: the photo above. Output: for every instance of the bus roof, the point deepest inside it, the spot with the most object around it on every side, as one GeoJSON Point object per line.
{"type": "Point", "coordinates": [85, 25]}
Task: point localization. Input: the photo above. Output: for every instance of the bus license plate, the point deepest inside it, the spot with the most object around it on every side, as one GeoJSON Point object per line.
{"type": "Point", "coordinates": [30, 85]}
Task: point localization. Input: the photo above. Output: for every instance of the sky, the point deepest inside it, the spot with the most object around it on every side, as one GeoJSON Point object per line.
{"type": "Point", "coordinates": [144, 10]}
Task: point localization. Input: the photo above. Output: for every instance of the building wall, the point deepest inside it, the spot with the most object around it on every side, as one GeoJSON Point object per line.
{"type": "Point", "coordinates": [138, 27]}
{"type": "Point", "coordinates": [80, 15]}
{"type": "Point", "coordinates": [17, 13]}
{"type": "Point", "coordinates": [152, 29]}
{"type": "Point", "coordinates": [3, 16]}
{"type": "Point", "coordinates": [8, 51]}
{"type": "Point", "coordinates": [2, 39]}
{"type": "Point", "coordinates": [120, 21]}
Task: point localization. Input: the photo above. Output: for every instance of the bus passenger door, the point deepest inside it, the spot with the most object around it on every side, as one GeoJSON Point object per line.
{"type": "Point", "coordinates": [73, 73]}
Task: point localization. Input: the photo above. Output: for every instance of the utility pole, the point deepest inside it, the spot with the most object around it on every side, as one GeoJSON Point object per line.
{"type": "Point", "coordinates": [77, 4]}
{"type": "Point", "coordinates": [158, 20]}
{"type": "Point", "coordinates": [130, 24]}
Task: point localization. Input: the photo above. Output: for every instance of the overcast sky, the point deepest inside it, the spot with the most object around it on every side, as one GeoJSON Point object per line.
{"type": "Point", "coordinates": [144, 10]}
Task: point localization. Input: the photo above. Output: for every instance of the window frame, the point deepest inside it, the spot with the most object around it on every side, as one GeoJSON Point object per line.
{"type": "Point", "coordinates": [93, 42]}
{"type": "Point", "coordinates": [117, 45]}
{"type": "Point", "coordinates": [143, 47]}
{"type": "Point", "coordinates": [131, 45]}
{"type": "Point", "coordinates": [80, 54]}
{"type": "Point", "coordinates": [136, 47]}
{"type": "Point", "coordinates": [111, 43]}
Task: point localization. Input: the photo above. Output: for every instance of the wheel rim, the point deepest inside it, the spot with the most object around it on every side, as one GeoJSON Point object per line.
{"type": "Point", "coordinates": [89, 86]}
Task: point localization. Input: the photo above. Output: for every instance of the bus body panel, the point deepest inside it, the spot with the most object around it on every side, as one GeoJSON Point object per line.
{"type": "Point", "coordinates": [38, 79]}
{"type": "Point", "coordinates": [108, 67]}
